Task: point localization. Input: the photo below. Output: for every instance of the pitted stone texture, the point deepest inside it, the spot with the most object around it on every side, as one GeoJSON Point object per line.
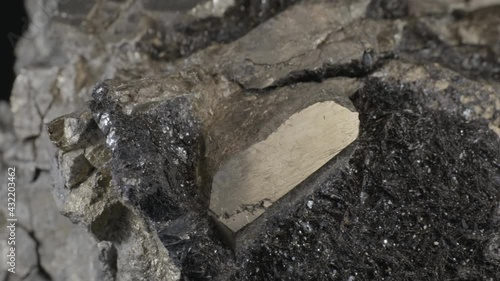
{"type": "Point", "coordinates": [444, 88]}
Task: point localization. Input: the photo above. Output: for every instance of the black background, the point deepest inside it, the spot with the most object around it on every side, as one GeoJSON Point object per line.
{"type": "Point", "coordinates": [14, 24]}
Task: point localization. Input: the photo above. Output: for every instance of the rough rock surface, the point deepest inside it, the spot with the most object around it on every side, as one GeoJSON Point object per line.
{"type": "Point", "coordinates": [144, 100]}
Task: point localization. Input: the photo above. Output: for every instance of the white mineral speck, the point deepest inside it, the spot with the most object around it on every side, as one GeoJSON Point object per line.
{"type": "Point", "coordinates": [310, 204]}
{"type": "Point", "coordinates": [99, 90]}
{"type": "Point", "coordinates": [462, 155]}
{"type": "Point", "coordinates": [182, 153]}
{"type": "Point", "coordinates": [104, 122]}
{"type": "Point", "coordinates": [111, 139]}
{"type": "Point", "coordinates": [467, 113]}
{"type": "Point", "coordinates": [363, 196]}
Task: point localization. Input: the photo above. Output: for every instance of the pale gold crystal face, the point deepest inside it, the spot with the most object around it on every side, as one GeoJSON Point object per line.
{"type": "Point", "coordinates": [256, 177]}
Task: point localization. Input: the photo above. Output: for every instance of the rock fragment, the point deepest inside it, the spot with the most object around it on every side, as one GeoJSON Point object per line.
{"type": "Point", "coordinates": [76, 168]}
{"type": "Point", "coordinates": [252, 179]}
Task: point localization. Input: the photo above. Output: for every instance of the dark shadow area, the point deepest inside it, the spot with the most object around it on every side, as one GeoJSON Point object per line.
{"type": "Point", "coordinates": [14, 26]}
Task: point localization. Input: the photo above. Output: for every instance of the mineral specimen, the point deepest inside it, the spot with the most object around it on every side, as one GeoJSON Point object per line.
{"type": "Point", "coordinates": [257, 140]}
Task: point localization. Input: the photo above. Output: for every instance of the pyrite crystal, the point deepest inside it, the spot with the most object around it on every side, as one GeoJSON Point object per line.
{"type": "Point", "coordinates": [257, 140]}
{"type": "Point", "coordinates": [255, 178]}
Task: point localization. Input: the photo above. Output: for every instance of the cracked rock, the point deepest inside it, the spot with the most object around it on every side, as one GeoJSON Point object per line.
{"type": "Point", "coordinates": [301, 49]}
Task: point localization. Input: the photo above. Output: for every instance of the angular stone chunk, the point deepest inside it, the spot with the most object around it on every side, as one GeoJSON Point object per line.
{"type": "Point", "coordinates": [75, 167]}
{"type": "Point", "coordinates": [72, 131]}
{"type": "Point", "coordinates": [31, 99]}
{"type": "Point", "coordinates": [88, 201]}
{"type": "Point", "coordinates": [98, 154]}
{"type": "Point", "coordinates": [298, 46]}
{"type": "Point", "coordinates": [255, 178]}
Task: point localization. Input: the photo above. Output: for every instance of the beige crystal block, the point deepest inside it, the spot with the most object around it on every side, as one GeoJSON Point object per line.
{"type": "Point", "coordinates": [253, 179]}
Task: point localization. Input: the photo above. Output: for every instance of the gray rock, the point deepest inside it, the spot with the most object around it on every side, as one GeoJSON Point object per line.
{"type": "Point", "coordinates": [27, 258]}
{"type": "Point", "coordinates": [312, 47]}
{"type": "Point", "coordinates": [108, 258]}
